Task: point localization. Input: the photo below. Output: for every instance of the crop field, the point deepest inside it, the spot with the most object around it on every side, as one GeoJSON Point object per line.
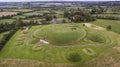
{"type": "Point", "coordinates": [7, 13]}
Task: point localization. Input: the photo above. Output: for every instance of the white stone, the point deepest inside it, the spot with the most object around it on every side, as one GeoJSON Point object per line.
{"type": "Point", "coordinates": [43, 41]}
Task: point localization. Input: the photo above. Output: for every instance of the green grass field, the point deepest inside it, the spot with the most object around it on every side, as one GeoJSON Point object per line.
{"type": "Point", "coordinates": [68, 44]}
{"type": "Point", "coordinates": [104, 23]}
{"type": "Point", "coordinates": [18, 17]}
{"type": "Point", "coordinates": [20, 46]}
{"type": "Point", "coordinates": [21, 10]}
{"type": "Point", "coordinates": [60, 34]}
{"type": "Point", "coordinates": [7, 21]}
{"type": "Point", "coordinates": [32, 13]}
{"type": "Point", "coordinates": [115, 15]}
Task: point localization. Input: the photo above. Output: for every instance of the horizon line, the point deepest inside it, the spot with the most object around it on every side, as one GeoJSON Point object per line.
{"type": "Point", "coordinates": [61, 1]}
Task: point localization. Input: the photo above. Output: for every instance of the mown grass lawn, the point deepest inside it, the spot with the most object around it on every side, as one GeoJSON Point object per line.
{"type": "Point", "coordinates": [60, 33]}
{"type": "Point", "coordinates": [51, 53]}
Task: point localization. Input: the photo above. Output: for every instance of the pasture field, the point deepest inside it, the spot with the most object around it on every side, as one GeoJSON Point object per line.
{"type": "Point", "coordinates": [104, 23]}
{"type": "Point", "coordinates": [26, 20]}
{"type": "Point", "coordinates": [21, 10]}
{"type": "Point", "coordinates": [115, 15]}
{"type": "Point", "coordinates": [33, 13]}
{"type": "Point", "coordinates": [25, 45]}
{"type": "Point", "coordinates": [7, 21]}
{"type": "Point", "coordinates": [75, 7]}
{"type": "Point", "coordinates": [18, 17]}
{"type": "Point", "coordinates": [7, 13]}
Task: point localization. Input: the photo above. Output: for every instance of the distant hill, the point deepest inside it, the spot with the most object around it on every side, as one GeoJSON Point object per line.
{"type": "Point", "coordinates": [39, 3]}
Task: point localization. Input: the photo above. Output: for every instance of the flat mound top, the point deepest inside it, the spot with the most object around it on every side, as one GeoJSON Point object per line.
{"type": "Point", "coordinates": [59, 33]}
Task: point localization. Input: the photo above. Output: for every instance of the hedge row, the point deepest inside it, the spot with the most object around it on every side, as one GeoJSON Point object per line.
{"type": "Point", "coordinates": [6, 38]}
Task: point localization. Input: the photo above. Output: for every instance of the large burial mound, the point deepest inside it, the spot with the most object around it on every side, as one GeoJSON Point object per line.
{"type": "Point", "coordinates": [60, 34]}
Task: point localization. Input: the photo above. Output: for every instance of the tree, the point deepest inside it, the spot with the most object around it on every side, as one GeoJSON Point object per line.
{"type": "Point", "coordinates": [109, 27]}
{"type": "Point", "coordinates": [97, 10]}
{"type": "Point", "coordinates": [66, 14]}
{"type": "Point", "coordinates": [77, 18]}
{"type": "Point", "coordinates": [48, 17]}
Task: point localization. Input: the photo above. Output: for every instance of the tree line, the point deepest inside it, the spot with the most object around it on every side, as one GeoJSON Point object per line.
{"type": "Point", "coordinates": [5, 38]}
{"type": "Point", "coordinates": [79, 15]}
{"type": "Point", "coordinates": [108, 17]}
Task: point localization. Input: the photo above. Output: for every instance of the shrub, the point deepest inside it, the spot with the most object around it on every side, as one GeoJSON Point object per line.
{"type": "Point", "coordinates": [109, 27]}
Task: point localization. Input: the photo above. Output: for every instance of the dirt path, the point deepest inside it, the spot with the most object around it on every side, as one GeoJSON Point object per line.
{"type": "Point", "coordinates": [94, 26]}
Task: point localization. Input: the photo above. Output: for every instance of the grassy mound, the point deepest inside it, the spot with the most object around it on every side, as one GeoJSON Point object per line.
{"type": "Point", "coordinates": [74, 57]}
{"type": "Point", "coordinates": [95, 37]}
{"type": "Point", "coordinates": [60, 34]}
{"type": "Point", "coordinates": [34, 41]}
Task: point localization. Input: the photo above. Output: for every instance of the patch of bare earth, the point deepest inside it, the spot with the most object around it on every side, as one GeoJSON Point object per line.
{"type": "Point", "coordinates": [88, 24]}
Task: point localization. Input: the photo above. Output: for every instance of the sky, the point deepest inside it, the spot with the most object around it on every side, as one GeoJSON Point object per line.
{"type": "Point", "coordinates": [51, 0]}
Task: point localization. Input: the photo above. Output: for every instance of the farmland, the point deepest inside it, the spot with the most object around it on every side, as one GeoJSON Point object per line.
{"type": "Point", "coordinates": [7, 13]}
{"type": "Point", "coordinates": [21, 10]}
{"type": "Point", "coordinates": [7, 21]}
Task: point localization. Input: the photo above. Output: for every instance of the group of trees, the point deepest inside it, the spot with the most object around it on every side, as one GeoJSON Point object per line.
{"type": "Point", "coordinates": [97, 10]}
{"type": "Point", "coordinates": [80, 15]}
{"type": "Point", "coordinates": [6, 27]}
{"type": "Point", "coordinates": [5, 38]}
